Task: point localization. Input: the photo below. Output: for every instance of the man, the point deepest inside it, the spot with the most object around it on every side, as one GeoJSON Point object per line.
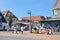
{"type": "Point", "coordinates": [22, 29]}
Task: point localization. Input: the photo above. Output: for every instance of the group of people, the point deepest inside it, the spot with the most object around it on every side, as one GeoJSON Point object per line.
{"type": "Point", "coordinates": [44, 29]}
{"type": "Point", "coordinates": [47, 29]}
{"type": "Point", "coordinates": [15, 29]}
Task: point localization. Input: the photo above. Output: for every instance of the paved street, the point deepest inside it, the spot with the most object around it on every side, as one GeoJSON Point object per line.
{"type": "Point", "coordinates": [16, 38]}
{"type": "Point", "coordinates": [27, 36]}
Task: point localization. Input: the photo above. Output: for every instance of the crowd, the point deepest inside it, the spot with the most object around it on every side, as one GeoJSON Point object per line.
{"type": "Point", "coordinates": [45, 28]}
{"type": "Point", "coordinates": [15, 29]}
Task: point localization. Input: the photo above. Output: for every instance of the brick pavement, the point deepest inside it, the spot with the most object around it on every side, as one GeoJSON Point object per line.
{"type": "Point", "coordinates": [29, 35]}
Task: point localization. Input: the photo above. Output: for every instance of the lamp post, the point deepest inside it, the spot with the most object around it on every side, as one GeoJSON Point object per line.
{"type": "Point", "coordinates": [30, 26]}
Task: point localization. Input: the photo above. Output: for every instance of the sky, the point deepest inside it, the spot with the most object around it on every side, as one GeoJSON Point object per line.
{"type": "Point", "coordinates": [20, 7]}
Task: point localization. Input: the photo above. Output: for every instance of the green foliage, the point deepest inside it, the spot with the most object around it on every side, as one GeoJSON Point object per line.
{"type": "Point", "coordinates": [49, 17]}
{"type": "Point", "coordinates": [10, 21]}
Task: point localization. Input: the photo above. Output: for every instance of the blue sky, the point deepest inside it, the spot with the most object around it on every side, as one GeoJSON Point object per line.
{"type": "Point", "coordinates": [20, 7]}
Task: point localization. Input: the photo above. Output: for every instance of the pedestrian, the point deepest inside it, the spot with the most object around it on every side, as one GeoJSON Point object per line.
{"type": "Point", "coordinates": [7, 27]}
{"type": "Point", "coordinates": [41, 28]}
{"type": "Point", "coordinates": [4, 27]}
{"type": "Point", "coordinates": [58, 28]}
{"type": "Point", "coordinates": [13, 28]}
{"type": "Point", "coordinates": [22, 29]}
{"type": "Point", "coordinates": [19, 29]}
{"type": "Point", "coordinates": [16, 29]}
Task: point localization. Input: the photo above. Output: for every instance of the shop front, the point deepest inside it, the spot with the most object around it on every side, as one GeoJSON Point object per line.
{"type": "Point", "coordinates": [54, 24]}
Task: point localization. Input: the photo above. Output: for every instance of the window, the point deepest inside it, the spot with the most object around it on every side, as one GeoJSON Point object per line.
{"type": "Point", "coordinates": [55, 12]}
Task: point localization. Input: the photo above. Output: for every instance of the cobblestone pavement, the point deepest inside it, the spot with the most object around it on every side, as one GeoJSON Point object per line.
{"type": "Point", "coordinates": [15, 38]}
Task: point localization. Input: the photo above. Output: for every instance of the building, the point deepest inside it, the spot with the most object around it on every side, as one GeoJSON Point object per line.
{"type": "Point", "coordinates": [54, 22]}
{"type": "Point", "coordinates": [2, 21]}
{"type": "Point", "coordinates": [31, 21]}
{"type": "Point", "coordinates": [34, 19]}
{"type": "Point", "coordinates": [56, 9]}
{"type": "Point", "coordinates": [6, 15]}
{"type": "Point", "coordinates": [56, 12]}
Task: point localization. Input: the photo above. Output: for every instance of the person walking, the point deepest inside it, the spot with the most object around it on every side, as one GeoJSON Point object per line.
{"type": "Point", "coordinates": [12, 28]}
{"type": "Point", "coordinates": [22, 29]}
{"type": "Point", "coordinates": [16, 29]}
{"type": "Point", "coordinates": [41, 28]}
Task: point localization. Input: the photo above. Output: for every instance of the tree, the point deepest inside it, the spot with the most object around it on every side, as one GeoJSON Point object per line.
{"type": "Point", "coordinates": [49, 17]}
{"type": "Point", "coordinates": [10, 21]}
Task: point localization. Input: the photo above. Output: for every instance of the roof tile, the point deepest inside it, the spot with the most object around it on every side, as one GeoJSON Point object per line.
{"type": "Point", "coordinates": [56, 3]}
{"type": "Point", "coordinates": [33, 18]}
{"type": "Point", "coordinates": [5, 14]}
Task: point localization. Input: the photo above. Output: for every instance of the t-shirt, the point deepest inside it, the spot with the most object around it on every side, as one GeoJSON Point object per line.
{"type": "Point", "coordinates": [12, 28]}
{"type": "Point", "coordinates": [22, 28]}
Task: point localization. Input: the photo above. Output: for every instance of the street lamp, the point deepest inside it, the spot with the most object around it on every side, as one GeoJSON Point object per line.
{"type": "Point", "coordinates": [30, 26]}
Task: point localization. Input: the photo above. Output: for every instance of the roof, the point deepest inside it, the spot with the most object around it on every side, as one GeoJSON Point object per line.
{"type": "Point", "coordinates": [33, 18]}
{"type": "Point", "coordinates": [54, 19]}
{"type": "Point", "coordinates": [56, 3]}
{"type": "Point", "coordinates": [5, 14]}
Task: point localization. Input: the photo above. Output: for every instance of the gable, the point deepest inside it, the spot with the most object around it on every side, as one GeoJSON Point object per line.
{"type": "Point", "coordinates": [56, 4]}
{"type": "Point", "coordinates": [7, 13]}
